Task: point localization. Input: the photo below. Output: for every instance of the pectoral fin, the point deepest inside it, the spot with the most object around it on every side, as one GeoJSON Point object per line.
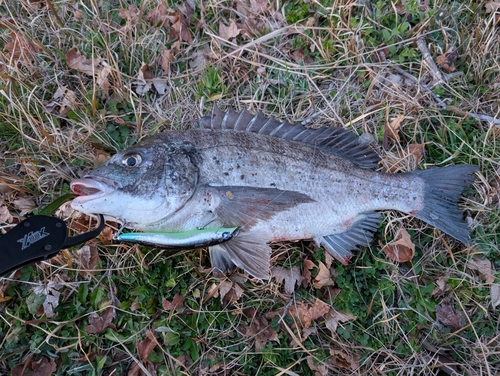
{"type": "Point", "coordinates": [240, 206]}
{"type": "Point", "coordinates": [359, 234]}
{"type": "Point", "coordinates": [247, 251]}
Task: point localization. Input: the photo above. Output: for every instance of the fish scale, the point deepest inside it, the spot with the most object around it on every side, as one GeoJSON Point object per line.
{"type": "Point", "coordinates": [272, 180]}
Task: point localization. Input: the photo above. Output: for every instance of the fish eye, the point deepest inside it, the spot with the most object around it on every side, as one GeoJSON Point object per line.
{"type": "Point", "coordinates": [132, 160]}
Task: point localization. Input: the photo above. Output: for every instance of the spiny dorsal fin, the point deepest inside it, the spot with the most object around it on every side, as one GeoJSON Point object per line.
{"type": "Point", "coordinates": [335, 140]}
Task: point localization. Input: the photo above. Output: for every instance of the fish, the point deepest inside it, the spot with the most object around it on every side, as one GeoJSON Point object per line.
{"type": "Point", "coordinates": [275, 181]}
{"type": "Point", "coordinates": [180, 240]}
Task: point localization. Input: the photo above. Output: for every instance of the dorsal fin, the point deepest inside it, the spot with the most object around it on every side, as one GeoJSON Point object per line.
{"type": "Point", "coordinates": [335, 140]}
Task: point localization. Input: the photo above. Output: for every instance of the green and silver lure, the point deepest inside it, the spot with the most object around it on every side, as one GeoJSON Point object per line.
{"type": "Point", "coordinates": [181, 240]}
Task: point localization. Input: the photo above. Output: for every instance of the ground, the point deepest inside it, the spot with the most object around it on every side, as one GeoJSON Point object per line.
{"type": "Point", "coordinates": [82, 80]}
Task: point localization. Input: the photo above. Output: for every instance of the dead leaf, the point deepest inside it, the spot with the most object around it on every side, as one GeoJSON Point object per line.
{"type": "Point", "coordinates": [102, 80]}
{"type": "Point", "coordinates": [179, 28]}
{"type": "Point", "coordinates": [228, 32]}
{"type": "Point", "coordinates": [21, 49]}
{"type": "Point", "coordinates": [62, 102]}
{"type": "Point", "coordinates": [40, 367]}
{"type": "Point", "coordinates": [51, 292]}
{"type": "Point", "coordinates": [187, 8]}
{"type": "Point", "coordinates": [24, 204]}
{"type": "Point", "coordinates": [146, 80]}
{"type": "Point", "coordinates": [290, 276]}
{"type": "Point", "coordinates": [260, 6]}
{"type": "Point", "coordinates": [495, 294]}
{"type": "Point", "coordinates": [403, 160]}
{"type": "Point", "coordinates": [381, 53]}
{"type": "Point", "coordinates": [334, 317]}
{"type": "Point", "coordinates": [491, 6]}
{"type": "Point", "coordinates": [401, 249]}
{"type": "Point", "coordinates": [319, 368]}
{"type": "Point", "coordinates": [230, 291]}
{"type": "Point", "coordinates": [447, 315]}
{"type": "Point", "coordinates": [447, 60]}
{"type": "Point", "coordinates": [262, 331]}
{"type": "Point", "coordinates": [306, 272]}
{"type": "Point", "coordinates": [308, 313]}
{"type": "Point", "coordinates": [344, 360]}
{"type": "Point", "coordinates": [77, 61]}
{"type": "Point", "coordinates": [166, 58]}
{"type": "Point", "coordinates": [98, 323]}
{"type": "Point", "coordinates": [393, 127]}
{"type": "Point", "coordinates": [176, 302]}
{"type": "Point", "coordinates": [146, 347]}
{"type": "Point", "coordinates": [88, 257]}
{"type": "Point", "coordinates": [131, 15]}
{"type": "Point", "coordinates": [213, 291]}
{"type": "Point", "coordinates": [5, 216]}
{"type": "Point", "coordinates": [107, 234]}
{"type": "Point", "coordinates": [483, 266]}
{"type": "Point", "coordinates": [323, 278]}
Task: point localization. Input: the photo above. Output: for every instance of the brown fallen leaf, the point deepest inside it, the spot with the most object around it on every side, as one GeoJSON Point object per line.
{"type": "Point", "coordinates": [176, 302]}
{"type": "Point", "coordinates": [166, 58]}
{"type": "Point", "coordinates": [22, 50]}
{"type": "Point", "coordinates": [88, 257]}
{"type": "Point", "coordinates": [495, 294]}
{"type": "Point", "coordinates": [290, 276]}
{"type": "Point", "coordinates": [228, 32]}
{"type": "Point", "coordinates": [131, 15]}
{"type": "Point", "coordinates": [5, 216]}
{"type": "Point", "coordinates": [334, 317]}
{"type": "Point", "coordinates": [146, 80]}
{"type": "Point", "coordinates": [447, 315]}
{"type": "Point", "coordinates": [262, 331]}
{"type": "Point", "coordinates": [98, 323]}
{"type": "Point", "coordinates": [261, 6]}
{"type": "Point", "coordinates": [483, 266]}
{"type": "Point", "coordinates": [381, 53]}
{"type": "Point", "coordinates": [106, 235]}
{"type": "Point", "coordinates": [403, 160]}
{"type": "Point", "coordinates": [62, 102]}
{"type": "Point", "coordinates": [306, 272]}
{"type": "Point", "coordinates": [447, 60]}
{"type": "Point", "coordinates": [230, 291]}
{"type": "Point", "coordinates": [401, 249]}
{"type": "Point", "coordinates": [323, 278]}
{"type": "Point", "coordinates": [307, 313]}
{"type": "Point", "coordinates": [179, 28]}
{"type": "Point", "coordinates": [344, 360]}
{"type": "Point", "coordinates": [393, 127]}
{"type": "Point", "coordinates": [40, 367]}
{"type": "Point", "coordinates": [75, 60]}
{"type": "Point", "coordinates": [319, 368]}
{"type": "Point", "coordinates": [146, 347]}
{"type": "Point", "coordinates": [491, 6]}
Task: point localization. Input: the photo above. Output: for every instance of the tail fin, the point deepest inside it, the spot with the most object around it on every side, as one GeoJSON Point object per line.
{"type": "Point", "coordinates": [443, 187]}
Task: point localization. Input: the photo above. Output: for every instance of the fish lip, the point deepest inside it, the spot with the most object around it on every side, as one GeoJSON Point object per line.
{"type": "Point", "coordinates": [90, 188]}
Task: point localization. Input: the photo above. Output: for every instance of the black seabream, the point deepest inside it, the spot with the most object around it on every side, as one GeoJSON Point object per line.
{"type": "Point", "coordinates": [274, 181]}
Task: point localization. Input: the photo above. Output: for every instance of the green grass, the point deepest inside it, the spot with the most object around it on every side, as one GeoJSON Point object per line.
{"type": "Point", "coordinates": [312, 61]}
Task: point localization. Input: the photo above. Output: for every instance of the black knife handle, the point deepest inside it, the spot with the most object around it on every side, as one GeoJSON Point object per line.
{"type": "Point", "coordinates": [36, 238]}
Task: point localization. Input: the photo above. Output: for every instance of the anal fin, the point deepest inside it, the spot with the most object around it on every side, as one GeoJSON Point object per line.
{"type": "Point", "coordinates": [359, 234]}
{"type": "Point", "coordinates": [246, 251]}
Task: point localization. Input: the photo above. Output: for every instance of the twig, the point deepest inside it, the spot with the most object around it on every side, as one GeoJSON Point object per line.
{"type": "Point", "coordinates": [473, 115]}
{"type": "Point", "coordinates": [434, 70]}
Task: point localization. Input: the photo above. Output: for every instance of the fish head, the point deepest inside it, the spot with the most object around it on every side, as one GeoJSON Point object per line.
{"type": "Point", "coordinates": [141, 185]}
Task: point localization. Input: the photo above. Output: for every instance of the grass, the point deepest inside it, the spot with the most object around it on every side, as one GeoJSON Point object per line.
{"type": "Point", "coordinates": [310, 61]}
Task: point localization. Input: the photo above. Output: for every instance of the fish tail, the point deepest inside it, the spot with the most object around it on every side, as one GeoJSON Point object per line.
{"type": "Point", "coordinates": [443, 187]}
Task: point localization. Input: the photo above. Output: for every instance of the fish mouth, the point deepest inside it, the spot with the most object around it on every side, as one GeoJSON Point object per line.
{"type": "Point", "coordinates": [90, 188]}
